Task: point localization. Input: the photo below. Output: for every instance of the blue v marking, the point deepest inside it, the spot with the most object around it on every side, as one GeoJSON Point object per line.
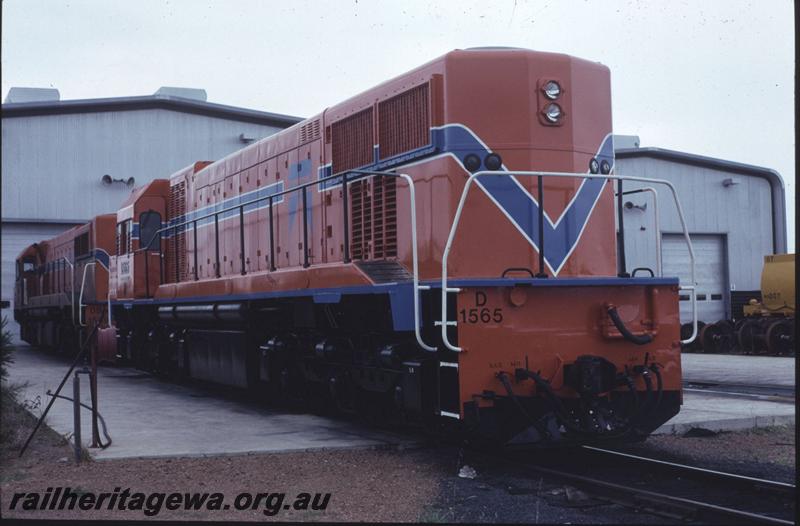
{"type": "Point", "coordinates": [521, 208]}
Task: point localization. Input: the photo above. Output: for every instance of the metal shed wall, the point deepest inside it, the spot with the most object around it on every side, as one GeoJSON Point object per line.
{"type": "Point", "coordinates": [741, 212]}
{"type": "Point", "coordinates": [52, 165]}
{"type": "Point", "coordinates": [54, 155]}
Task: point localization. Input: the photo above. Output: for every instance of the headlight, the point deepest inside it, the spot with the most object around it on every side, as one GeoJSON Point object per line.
{"type": "Point", "coordinates": [594, 166]}
{"type": "Point", "coordinates": [553, 112]}
{"type": "Point", "coordinates": [472, 162]}
{"type": "Point", "coordinates": [551, 90]}
{"type": "Point", "coordinates": [493, 162]}
{"type": "Point", "coordinates": [605, 167]}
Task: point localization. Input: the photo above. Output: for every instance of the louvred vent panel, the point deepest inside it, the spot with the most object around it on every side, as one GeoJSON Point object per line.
{"type": "Point", "coordinates": [373, 205]}
{"type": "Point", "coordinates": [352, 142]}
{"type": "Point", "coordinates": [310, 131]}
{"type": "Point", "coordinates": [176, 209]}
{"type": "Point", "coordinates": [404, 122]}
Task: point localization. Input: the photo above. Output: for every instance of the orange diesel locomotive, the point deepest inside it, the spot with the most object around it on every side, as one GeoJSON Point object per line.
{"type": "Point", "coordinates": [442, 247]}
{"type": "Point", "coordinates": [62, 285]}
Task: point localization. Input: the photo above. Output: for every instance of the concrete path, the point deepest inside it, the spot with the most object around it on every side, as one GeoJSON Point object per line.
{"type": "Point", "coordinates": [151, 418]}
{"type": "Point", "coordinates": [147, 417]}
{"type": "Point", "coordinates": [738, 369]}
{"type": "Point", "coordinates": [726, 412]}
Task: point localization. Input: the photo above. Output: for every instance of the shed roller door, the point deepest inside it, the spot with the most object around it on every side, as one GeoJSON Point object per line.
{"type": "Point", "coordinates": [710, 272]}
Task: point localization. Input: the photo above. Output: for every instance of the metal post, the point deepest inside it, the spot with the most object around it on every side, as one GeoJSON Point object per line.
{"type": "Point", "coordinates": [160, 262]}
{"type": "Point", "coordinates": [177, 264]}
{"type": "Point", "coordinates": [76, 415]}
{"type": "Point", "coordinates": [542, 273]}
{"type": "Point", "coordinates": [346, 222]}
{"type": "Point", "coordinates": [216, 242]}
{"type": "Point", "coordinates": [271, 239]}
{"type": "Point", "coordinates": [305, 228]}
{"type": "Point", "coordinates": [146, 272]}
{"type": "Point", "coordinates": [93, 391]}
{"type": "Point", "coordinates": [621, 234]}
{"type": "Point", "coordinates": [194, 229]}
{"type": "Point", "coordinates": [241, 236]}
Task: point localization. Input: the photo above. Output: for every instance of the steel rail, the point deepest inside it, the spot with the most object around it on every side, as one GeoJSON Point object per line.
{"type": "Point", "coordinates": [718, 475]}
{"type": "Point", "coordinates": [629, 493]}
{"type": "Point", "coordinates": [444, 323]}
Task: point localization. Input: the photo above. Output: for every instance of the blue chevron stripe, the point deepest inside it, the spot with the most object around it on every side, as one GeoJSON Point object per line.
{"type": "Point", "coordinates": [456, 140]}
{"type": "Point", "coordinates": [520, 207]}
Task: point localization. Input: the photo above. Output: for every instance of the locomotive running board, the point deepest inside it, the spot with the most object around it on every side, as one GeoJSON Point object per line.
{"type": "Point", "coordinates": [385, 271]}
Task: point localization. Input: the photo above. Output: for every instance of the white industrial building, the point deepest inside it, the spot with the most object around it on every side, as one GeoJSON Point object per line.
{"type": "Point", "coordinates": [65, 161]}
{"type": "Point", "coordinates": [735, 214]}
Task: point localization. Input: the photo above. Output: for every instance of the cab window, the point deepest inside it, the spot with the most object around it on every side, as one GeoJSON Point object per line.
{"type": "Point", "coordinates": [149, 224]}
{"type": "Point", "coordinates": [123, 243]}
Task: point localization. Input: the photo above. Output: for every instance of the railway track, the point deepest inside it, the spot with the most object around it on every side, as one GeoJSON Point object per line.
{"type": "Point", "coordinates": [678, 491]}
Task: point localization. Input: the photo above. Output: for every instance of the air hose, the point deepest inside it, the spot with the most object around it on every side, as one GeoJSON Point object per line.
{"type": "Point", "coordinates": [659, 384]}
{"type": "Point", "coordinates": [503, 377]}
{"type": "Point", "coordinates": [102, 420]}
{"type": "Point", "coordinates": [628, 335]}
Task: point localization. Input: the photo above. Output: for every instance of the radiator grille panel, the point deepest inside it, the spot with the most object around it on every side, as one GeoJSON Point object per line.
{"type": "Point", "coordinates": [176, 209]}
{"type": "Point", "coordinates": [374, 218]}
{"type": "Point", "coordinates": [352, 142]}
{"type": "Point", "coordinates": [404, 122]}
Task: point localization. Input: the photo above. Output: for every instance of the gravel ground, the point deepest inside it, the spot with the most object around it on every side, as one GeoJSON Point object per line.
{"type": "Point", "coordinates": [370, 485]}
{"type": "Point", "coordinates": [768, 452]}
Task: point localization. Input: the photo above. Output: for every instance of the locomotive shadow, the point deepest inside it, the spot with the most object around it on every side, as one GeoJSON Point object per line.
{"type": "Point", "coordinates": [151, 417]}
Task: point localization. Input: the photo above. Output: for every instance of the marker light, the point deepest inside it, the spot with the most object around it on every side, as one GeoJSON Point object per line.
{"type": "Point", "coordinates": [492, 162]}
{"type": "Point", "coordinates": [553, 112]}
{"type": "Point", "coordinates": [551, 90]}
{"type": "Point", "coordinates": [472, 162]}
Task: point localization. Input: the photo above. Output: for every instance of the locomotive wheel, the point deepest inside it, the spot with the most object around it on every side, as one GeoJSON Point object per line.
{"type": "Point", "coordinates": [717, 337]}
{"type": "Point", "coordinates": [780, 337]}
{"type": "Point", "coordinates": [736, 349]}
{"type": "Point", "coordinates": [746, 336]}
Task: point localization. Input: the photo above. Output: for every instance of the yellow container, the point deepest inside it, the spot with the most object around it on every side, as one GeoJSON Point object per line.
{"type": "Point", "coordinates": [777, 284]}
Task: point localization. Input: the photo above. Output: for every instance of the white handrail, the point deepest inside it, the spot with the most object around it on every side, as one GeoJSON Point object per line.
{"type": "Point", "coordinates": [653, 191]}
{"type": "Point", "coordinates": [80, 298]}
{"type": "Point", "coordinates": [463, 199]}
{"type": "Point", "coordinates": [71, 285]}
{"type": "Point", "coordinates": [414, 257]}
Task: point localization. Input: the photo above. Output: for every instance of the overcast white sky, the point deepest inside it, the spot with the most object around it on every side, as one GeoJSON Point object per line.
{"type": "Point", "coordinates": [714, 77]}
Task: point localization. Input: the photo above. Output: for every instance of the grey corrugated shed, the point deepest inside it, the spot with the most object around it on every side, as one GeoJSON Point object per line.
{"type": "Point", "coordinates": [771, 176]}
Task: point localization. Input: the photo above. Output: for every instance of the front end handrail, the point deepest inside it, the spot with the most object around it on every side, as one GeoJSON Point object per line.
{"type": "Point", "coordinates": [657, 225]}
{"type": "Point", "coordinates": [71, 284]}
{"type": "Point", "coordinates": [444, 323]}
{"type": "Point", "coordinates": [80, 298]}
